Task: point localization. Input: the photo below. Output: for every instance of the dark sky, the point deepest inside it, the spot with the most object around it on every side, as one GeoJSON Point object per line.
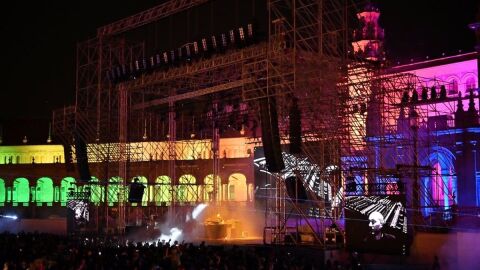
{"type": "Point", "coordinates": [39, 38]}
{"type": "Point", "coordinates": [415, 29]}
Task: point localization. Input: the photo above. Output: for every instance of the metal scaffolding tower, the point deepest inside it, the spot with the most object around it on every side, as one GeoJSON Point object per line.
{"type": "Point", "coordinates": [349, 110]}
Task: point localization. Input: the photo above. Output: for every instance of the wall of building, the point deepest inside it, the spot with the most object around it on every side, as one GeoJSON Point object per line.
{"type": "Point", "coordinates": [48, 184]}
{"type": "Point", "coordinates": [28, 154]}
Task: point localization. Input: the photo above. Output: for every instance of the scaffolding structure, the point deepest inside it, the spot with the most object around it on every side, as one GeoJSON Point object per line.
{"type": "Point", "coordinates": [349, 112]}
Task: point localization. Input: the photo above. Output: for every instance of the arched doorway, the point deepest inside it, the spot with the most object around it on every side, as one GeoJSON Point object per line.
{"type": "Point", "coordinates": [113, 189]}
{"type": "Point", "coordinates": [439, 189]}
{"type": "Point", "coordinates": [96, 191]}
{"type": "Point", "coordinates": [237, 188]}
{"type": "Point", "coordinates": [44, 191]}
{"type": "Point", "coordinates": [187, 189]}
{"type": "Point", "coordinates": [161, 192]}
{"type": "Point", "coordinates": [209, 188]}
{"type": "Point", "coordinates": [21, 191]}
{"type": "Point", "coordinates": [67, 185]}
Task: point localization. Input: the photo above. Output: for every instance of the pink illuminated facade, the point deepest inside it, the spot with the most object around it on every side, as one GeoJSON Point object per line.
{"type": "Point", "coordinates": [459, 75]}
{"type": "Point", "coordinates": [420, 126]}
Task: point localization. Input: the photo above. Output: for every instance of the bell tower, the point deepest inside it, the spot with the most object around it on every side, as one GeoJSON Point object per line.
{"type": "Point", "coordinates": [368, 37]}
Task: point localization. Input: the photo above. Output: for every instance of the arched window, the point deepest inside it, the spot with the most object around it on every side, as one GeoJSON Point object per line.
{"type": "Point", "coordinates": [3, 192]}
{"type": "Point", "coordinates": [237, 187]}
{"type": "Point", "coordinates": [142, 180]}
{"type": "Point", "coordinates": [96, 191]}
{"type": "Point", "coordinates": [452, 87]}
{"type": "Point", "coordinates": [187, 189]}
{"type": "Point", "coordinates": [470, 84]}
{"type": "Point", "coordinates": [161, 193]}
{"type": "Point", "coordinates": [209, 188]}
{"type": "Point", "coordinates": [67, 185]}
{"type": "Point", "coordinates": [438, 187]}
{"type": "Point", "coordinates": [113, 189]}
{"type": "Point", "coordinates": [21, 191]}
{"type": "Point", "coordinates": [44, 191]}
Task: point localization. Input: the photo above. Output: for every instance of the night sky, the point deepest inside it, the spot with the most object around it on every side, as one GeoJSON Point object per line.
{"type": "Point", "coordinates": [39, 40]}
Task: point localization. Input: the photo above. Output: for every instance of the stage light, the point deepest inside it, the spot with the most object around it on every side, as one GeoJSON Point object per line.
{"type": "Point", "coordinates": [214, 42]}
{"type": "Point", "coordinates": [195, 48]}
{"type": "Point", "coordinates": [433, 93]}
{"type": "Point", "coordinates": [180, 54]}
{"type": "Point", "coordinates": [188, 53]}
{"type": "Point", "coordinates": [250, 30]}
{"type": "Point", "coordinates": [443, 92]}
{"type": "Point", "coordinates": [198, 210]}
{"type": "Point", "coordinates": [137, 66]}
{"type": "Point", "coordinates": [172, 56]}
{"type": "Point", "coordinates": [241, 33]}
{"type": "Point", "coordinates": [158, 60]}
{"type": "Point", "coordinates": [224, 40]}
{"type": "Point", "coordinates": [165, 58]}
{"type": "Point", "coordinates": [204, 45]}
{"type": "Point", "coordinates": [405, 98]}
{"type": "Point", "coordinates": [152, 62]}
{"type": "Point", "coordinates": [14, 217]}
{"type": "Point", "coordinates": [242, 130]}
{"type": "Point", "coordinates": [232, 37]}
{"type": "Point", "coordinates": [173, 236]}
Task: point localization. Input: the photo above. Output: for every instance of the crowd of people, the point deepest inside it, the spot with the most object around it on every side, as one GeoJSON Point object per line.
{"type": "Point", "coordinates": [35, 251]}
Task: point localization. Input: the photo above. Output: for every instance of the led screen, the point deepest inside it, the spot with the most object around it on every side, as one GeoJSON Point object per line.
{"type": "Point", "coordinates": [78, 214]}
{"type": "Point", "coordinates": [376, 224]}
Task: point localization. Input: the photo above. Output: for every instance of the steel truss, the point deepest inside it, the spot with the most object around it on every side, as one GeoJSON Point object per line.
{"type": "Point", "coordinates": [146, 119]}
{"type": "Point", "coordinates": [349, 109]}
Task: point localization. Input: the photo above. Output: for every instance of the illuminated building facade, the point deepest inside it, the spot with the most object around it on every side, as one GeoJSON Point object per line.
{"type": "Point", "coordinates": [37, 181]}
{"type": "Point", "coordinates": [428, 132]}
{"type": "Point", "coordinates": [420, 133]}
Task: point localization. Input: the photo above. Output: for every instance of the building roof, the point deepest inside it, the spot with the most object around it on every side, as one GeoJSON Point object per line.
{"type": "Point", "coordinates": [432, 62]}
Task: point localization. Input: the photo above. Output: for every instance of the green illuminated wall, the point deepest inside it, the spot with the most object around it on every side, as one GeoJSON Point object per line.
{"type": "Point", "coordinates": [43, 192]}
{"type": "Point", "coordinates": [3, 192]}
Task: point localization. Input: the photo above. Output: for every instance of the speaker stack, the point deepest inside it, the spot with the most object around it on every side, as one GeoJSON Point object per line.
{"type": "Point", "coordinates": [270, 134]}
{"type": "Point", "coordinates": [82, 159]}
